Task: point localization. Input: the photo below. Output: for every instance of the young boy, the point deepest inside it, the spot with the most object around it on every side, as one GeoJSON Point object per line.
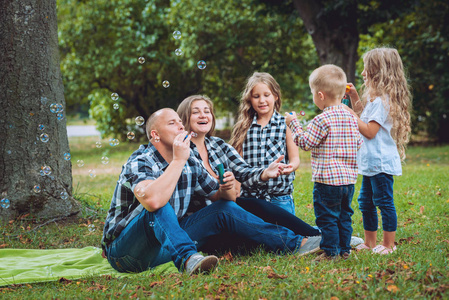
{"type": "Point", "coordinates": [333, 137]}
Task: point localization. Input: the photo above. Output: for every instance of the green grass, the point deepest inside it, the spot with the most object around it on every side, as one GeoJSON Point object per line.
{"type": "Point", "coordinates": [417, 270]}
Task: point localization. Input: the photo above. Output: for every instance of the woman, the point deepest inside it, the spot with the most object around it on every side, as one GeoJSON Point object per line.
{"type": "Point", "coordinates": [197, 115]}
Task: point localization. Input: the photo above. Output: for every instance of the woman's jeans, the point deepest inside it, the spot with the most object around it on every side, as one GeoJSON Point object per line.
{"type": "Point", "coordinates": [154, 238]}
{"type": "Point", "coordinates": [284, 201]}
{"type": "Point", "coordinates": [377, 191]}
{"type": "Point", "coordinates": [333, 212]}
{"type": "Point", "coordinates": [273, 214]}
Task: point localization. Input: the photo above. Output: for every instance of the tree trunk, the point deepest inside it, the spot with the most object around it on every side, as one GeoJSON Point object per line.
{"type": "Point", "coordinates": [334, 32]}
{"type": "Point", "coordinates": [30, 81]}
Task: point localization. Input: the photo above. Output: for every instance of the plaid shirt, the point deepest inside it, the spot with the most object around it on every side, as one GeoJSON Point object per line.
{"type": "Point", "coordinates": [220, 152]}
{"type": "Point", "coordinates": [146, 163]}
{"type": "Point", "coordinates": [334, 138]}
{"type": "Point", "coordinates": [261, 147]}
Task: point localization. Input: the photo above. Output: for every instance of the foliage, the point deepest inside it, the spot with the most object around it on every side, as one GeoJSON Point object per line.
{"type": "Point", "coordinates": [422, 40]}
{"type": "Point", "coordinates": [419, 268]}
{"type": "Point", "coordinates": [102, 40]}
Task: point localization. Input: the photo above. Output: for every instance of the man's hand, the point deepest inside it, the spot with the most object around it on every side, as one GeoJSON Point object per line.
{"type": "Point", "coordinates": [181, 146]}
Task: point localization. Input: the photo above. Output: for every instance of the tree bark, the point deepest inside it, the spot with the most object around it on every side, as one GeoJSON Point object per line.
{"type": "Point", "coordinates": [334, 32]}
{"type": "Point", "coordinates": [30, 81]}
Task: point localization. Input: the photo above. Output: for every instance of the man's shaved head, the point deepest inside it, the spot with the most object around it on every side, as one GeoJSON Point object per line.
{"type": "Point", "coordinates": [152, 120]}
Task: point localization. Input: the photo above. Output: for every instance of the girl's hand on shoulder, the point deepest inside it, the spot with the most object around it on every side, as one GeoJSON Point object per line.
{"type": "Point", "coordinates": [289, 117]}
{"type": "Point", "coordinates": [349, 109]}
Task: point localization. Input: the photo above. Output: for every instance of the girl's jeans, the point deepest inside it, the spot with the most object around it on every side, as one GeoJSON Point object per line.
{"type": "Point", "coordinates": [377, 191]}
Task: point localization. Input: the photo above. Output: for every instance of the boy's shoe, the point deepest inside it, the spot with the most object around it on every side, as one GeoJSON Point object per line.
{"type": "Point", "coordinates": [355, 241]}
{"type": "Point", "coordinates": [381, 249]}
{"type": "Point", "coordinates": [325, 257]}
{"type": "Point", "coordinates": [197, 263]}
{"type": "Point", "coordinates": [345, 255]}
{"type": "Point", "coordinates": [362, 247]}
{"type": "Point", "coordinates": [312, 245]}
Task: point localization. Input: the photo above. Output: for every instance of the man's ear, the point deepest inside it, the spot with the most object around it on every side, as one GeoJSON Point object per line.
{"type": "Point", "coordinates": [154, 135]}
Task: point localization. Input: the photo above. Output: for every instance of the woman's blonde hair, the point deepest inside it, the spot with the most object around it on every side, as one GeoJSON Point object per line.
{"type": "Point", "coordinates": [185, 110]}
{"type": "Point", "coordinates": [386, 78]}
{"type": "Point", "coordinates": [247, 112]}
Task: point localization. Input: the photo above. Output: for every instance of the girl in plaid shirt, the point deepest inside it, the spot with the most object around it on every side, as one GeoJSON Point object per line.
{"type": "Point", "coordinates": [260, 135]}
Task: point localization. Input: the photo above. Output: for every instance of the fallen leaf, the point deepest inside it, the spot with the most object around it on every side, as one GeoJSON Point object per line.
{"type": "Point", "coordinates": [274, 275]}
{"type": "Point", "coordinates": [421, 210]}
{"type": "Point", "coordinates": [392, 288]}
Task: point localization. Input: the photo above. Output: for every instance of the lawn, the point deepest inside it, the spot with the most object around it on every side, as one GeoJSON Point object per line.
{"type": "Point", "coordinates": [418, 269]}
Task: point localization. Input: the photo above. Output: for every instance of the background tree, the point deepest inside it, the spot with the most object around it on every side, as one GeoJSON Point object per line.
{"type": "Point", "coordinates": [30, 82]}
{"type": "Point", "coordinates": [233, 40]}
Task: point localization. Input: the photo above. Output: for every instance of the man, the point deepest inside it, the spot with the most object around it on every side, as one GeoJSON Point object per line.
{"type": "Point", "coordinates": [147, 224]}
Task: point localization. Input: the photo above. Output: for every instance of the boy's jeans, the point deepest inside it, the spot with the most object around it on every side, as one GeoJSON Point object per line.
{"type": "Point", "coordinates": [377, 191]}
{"type": "Point", "coordinates": [154, 238]}
{"type": "Point", "coordinates": [332, 205]}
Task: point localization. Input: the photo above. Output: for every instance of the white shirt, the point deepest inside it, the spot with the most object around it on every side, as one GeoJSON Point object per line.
{"type": "Point", "coordinates": [380, 154]}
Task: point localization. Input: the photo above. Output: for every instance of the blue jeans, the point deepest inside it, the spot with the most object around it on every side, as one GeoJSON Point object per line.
{"type": "Point", "coordinates": [284, 201]}
{"type": "Point", "coordinates": [333, 212]}
{"type": "Point", "coordinates": [271, 213]}
{"type": "Point", "coordinates": [153, 238]}
{"type": "Point", "coordinates": [377, 191]}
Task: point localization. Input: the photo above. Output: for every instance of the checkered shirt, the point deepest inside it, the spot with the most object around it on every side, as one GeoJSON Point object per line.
{"type": "Point", "coordinates": [333, 138]}
{"type": "Point", "coordinates": [261, 147]}
{"type": "Point", "coordinates": [146, 163]}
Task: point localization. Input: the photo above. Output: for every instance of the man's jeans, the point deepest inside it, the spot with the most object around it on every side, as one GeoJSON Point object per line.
{"type": "Point", "coordinates": [333, 212]}
{"type": "Point", "coordinates": [154, 238]}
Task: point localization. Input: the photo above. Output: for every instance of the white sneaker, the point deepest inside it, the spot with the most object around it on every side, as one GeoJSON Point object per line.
{"type": "Point", "coordinates": [355, 241]}
{"type": "Point", "coordinates": [197, 263]}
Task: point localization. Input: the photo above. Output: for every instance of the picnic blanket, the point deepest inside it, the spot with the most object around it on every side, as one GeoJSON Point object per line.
{"type": "Point", "coordinates": [33, 265]}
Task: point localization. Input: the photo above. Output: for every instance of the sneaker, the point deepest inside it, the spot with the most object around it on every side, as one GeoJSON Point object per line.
{"type": "Point", "coordinates": [312, 245]}
{"type": "Point", "coordinates": [381, 249]}
{"type": "Point", "coordinates": [362, 247]}
{"type": "Point", "coordinates": [355, 241]}
{"type": "Point", "coordinates": [197, 263]}
{"type": "Point", "coordinates": [325, 257]}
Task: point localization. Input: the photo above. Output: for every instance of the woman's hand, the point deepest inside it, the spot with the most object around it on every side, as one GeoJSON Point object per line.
{"type": "Point", "coordinates": [229, 181]}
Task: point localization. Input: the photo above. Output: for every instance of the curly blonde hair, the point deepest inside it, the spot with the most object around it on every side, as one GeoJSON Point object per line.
{"type": "Point", "coordinates": [386, 79]}
{"type": "Point", "coordinates": [247, 112]}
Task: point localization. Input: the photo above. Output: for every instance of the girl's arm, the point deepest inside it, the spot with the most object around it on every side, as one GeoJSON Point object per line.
{"type": "Point", "coordinates": [293, 154]}
{"type": "Point", "coordinates": [356, 104]}
{"type": "Point", "coordinates": [368, 130]}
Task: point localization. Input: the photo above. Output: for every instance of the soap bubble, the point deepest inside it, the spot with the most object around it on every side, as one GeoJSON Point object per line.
{"type": "Point", "coordinates": [141, 60]}
{"type": "Point", "coordinates": [98, 144]}
{"type": "Point", "coordinates": [44, 100]}
{"type": "Point", "coordinates": [60, 116]}
{"type": "Point", "coordinates": [114, 96]}
{"type": "Point", "coordinates": [201, 65]}
{"type": "Point", "coordinates": [104, 160]}
{"type": "Point", "coordinates": [165, 83]}
{"type": "Point", "coordinates": [91, 227]}
{"type": "Point", "coordinates": [80, 163]}
{"type": "Point", "coordinates": [113, 142]}
{"type": "Point", "coordinates": [59, 108]}
{"type": "Point", "coordinates": [67, 156]}
{"type": "Point", "coordinates": [302, 113]}
{"type": "Point", "coordinates": [193, 134]}
{"type": "Point", "coordinates": [37, 189]}
{"type": "Point", "coordinates": [64, 195]}
{"type": "Point", "coordinates": [116, 106]}
{"type": "Point", "coordinates": [92, 173]}
{"type": "Point", "coordinates": [177, 34]}
{"type": "Point", "coordinates": [46, 170]}
{"type": "Point", "coordinates": [178, 52]}
{"type": "Point", "coordinates": [140, 192]}
{"type": "Point", "coordinates": [41, 172]}
{"type": "Point", "coordinates": [5, 203]}
{"type": "Point", "coordinates": [44, 137]}
{"type": "Point", "coordinates": [140, 120]}
{"type": "Point", "coordinates": [53, 108]}
{"type": "Point", "coordinates": [40, 127]}
{"type": "Point", "coordinates": [130, 135]}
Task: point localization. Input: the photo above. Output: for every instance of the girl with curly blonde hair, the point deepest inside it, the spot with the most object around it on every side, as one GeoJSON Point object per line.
{"type": "Point", "coordinates": [384, 121]}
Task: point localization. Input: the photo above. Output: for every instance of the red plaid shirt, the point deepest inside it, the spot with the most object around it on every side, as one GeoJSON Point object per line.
{"type": "Point", "coordinates": [334, 138]}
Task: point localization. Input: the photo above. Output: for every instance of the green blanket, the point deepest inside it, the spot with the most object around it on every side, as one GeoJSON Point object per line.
{"type": "Point", "coordinates": [33, 265]}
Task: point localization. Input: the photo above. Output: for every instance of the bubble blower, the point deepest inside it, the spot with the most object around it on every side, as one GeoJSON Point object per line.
{"type": "Point", "coordinates": [346, 100]}
{"type": "Point", "coordinates": [192, 134]}
{"type": "Point", "coordinates": [302, 113]}
{"type": "Point", "coordinates": [220, 168]}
